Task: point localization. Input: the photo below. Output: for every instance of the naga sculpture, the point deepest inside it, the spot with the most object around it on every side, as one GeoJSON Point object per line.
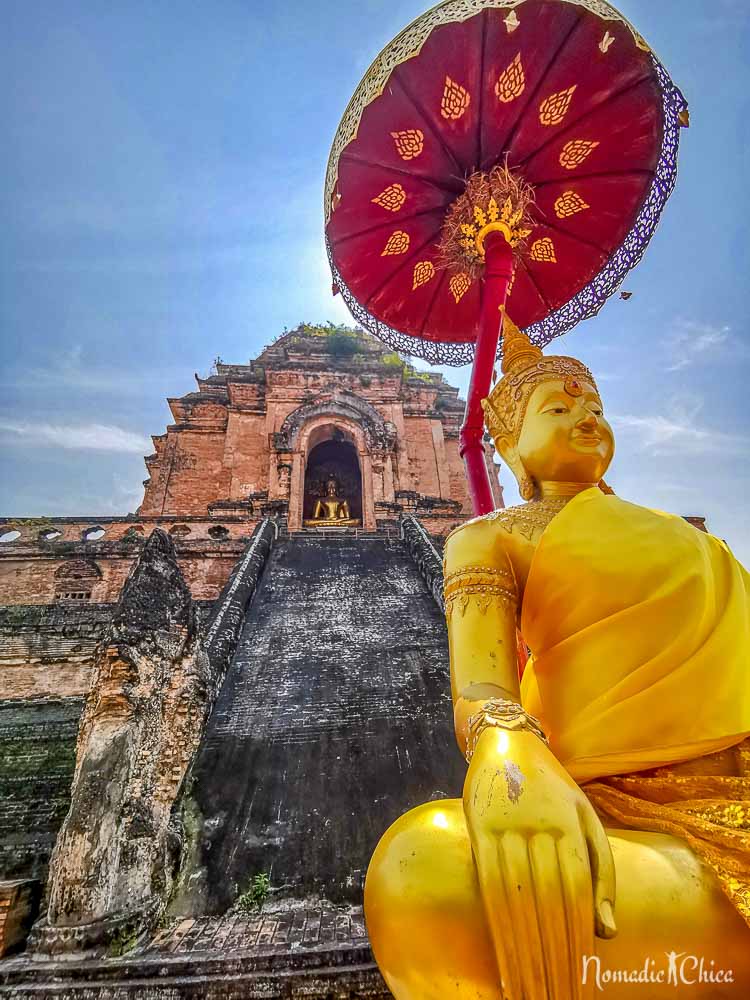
{"type": "Point", "coordinates": [605, 821]}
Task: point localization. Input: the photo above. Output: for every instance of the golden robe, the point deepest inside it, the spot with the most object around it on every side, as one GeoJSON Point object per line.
{"type": "Point", "coordinates": [639, 627]}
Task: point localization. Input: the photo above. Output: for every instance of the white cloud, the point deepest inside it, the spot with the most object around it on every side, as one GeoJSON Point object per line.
{"type": "Point", "coordinates": [80, 437]}
{"type": "Point", "coordinates": [72, 371]}
{"type": "Point", "coordinates": [691, 340]}
{"type": "Point", "coordinates": [678, 433]}
{"type": "Point", "coordinates": [124, 496]}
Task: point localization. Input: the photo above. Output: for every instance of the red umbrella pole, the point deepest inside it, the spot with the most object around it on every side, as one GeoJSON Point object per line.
{"type": "Point", "coordinates": [498, 269]}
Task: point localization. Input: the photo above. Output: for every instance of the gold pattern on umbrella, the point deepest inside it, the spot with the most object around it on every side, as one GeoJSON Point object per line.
{"type": "Point", "coordinates": [459, 285]}
{"type": "Point", "coordinates": [392, 198]}
{"type": "Point", "coordinates": [553, 109]}
{"type": "Point", "coordinates": [511, 82]}
{"type": "Point", "coordinates": [569, 203]}
{"type": "Point", "coordinates": [409, 143]}
{"type": "Point", "coordinates": [398, 242]}
{"type": "Point", "coordinates": [543, 250]}
{"type": "Point", "coordinates": [424, 271]}
{"type": "Point", "coordinates": [456, 100]}
{"type": "Point", "coordinates": [575, 152]}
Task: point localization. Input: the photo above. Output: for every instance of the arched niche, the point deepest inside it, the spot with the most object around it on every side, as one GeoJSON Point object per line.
{"type": "Point", "coordinates": [332, 455]}
{"type": "Point", "coordinates": [75, 580]}
{"type": "Point", "coordinates": [343, 431]}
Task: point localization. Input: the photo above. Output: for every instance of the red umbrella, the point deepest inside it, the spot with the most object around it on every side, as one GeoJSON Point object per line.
{"type": "Point", "coordinates": [497, 151]}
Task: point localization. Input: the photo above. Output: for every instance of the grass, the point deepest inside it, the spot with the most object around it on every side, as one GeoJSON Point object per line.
{"type": "Point", "coordinates": [256, 895]}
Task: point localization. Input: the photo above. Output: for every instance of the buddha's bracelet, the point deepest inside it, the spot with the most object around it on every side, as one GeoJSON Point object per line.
{"type": "Point", "coordinates": [500, 713]}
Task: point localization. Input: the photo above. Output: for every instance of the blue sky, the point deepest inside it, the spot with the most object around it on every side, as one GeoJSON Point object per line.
{"type": "Point", "coordinates": [161, 189]}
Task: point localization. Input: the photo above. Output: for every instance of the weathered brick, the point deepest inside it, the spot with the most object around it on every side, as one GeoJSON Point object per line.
{"type": "Point", "coordinates": [239, 447]}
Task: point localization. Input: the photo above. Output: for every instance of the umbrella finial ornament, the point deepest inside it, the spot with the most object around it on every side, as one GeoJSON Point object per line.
{"type": "Point", "coordinates": [498, 201]}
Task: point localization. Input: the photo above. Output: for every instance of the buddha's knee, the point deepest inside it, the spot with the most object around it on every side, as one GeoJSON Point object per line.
{"type": "Point", "coordinates": [667, 900]}
{"type": "Point", "coordinates": [423, 907]}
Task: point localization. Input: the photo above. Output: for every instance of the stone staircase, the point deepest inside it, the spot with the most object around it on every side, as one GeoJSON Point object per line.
{"type": "Point", "coordinates": [334, 718]}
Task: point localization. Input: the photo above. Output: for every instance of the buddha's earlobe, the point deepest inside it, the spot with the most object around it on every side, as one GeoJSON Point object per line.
{"type": "Point", "coordinates": [527, 486]}
{"type": "Point", "coordinates": [508, 451]}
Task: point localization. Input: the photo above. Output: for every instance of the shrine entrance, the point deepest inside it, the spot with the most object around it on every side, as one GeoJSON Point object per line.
{"type": "Point", "coordinates": [333, 484]}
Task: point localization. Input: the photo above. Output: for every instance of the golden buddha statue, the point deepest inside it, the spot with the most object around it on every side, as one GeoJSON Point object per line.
{"type": "Point", "coordinates": [331, 508]}
{"type": "Point", "coordinates": [604, 830]}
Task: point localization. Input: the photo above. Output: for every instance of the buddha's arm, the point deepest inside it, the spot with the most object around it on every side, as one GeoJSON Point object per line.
{"type": "Point", "coordinates": [481, 607]}
{"type": "Point", "coordinates": [530, 825]}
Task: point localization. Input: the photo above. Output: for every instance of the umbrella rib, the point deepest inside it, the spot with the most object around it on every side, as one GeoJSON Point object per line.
{"type": "Point", "coordinates": [537, 289]}
{"type": "Point", "coordinates": [453, 190]}
{"type": "Point", "coordinates": [578, 239]}
{"type": "Point", "coordinates": [595, 176]}
{"type": "Point", "coordinates": [433, 300]}
{"type": "Point", "coordinates": [483, 51]}
{"type": "Point", "coordinates": [401, 266]}
{"type": "Point", "coordinates": [428, 122]}
{"type": "Point", "coordinates": [532, 96]}
{"type": "Point", "coordinates": [586, 114]}
{"type": "Point", "coordinates": [387, 223]}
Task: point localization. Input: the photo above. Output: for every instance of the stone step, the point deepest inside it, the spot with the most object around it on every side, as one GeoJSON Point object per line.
{"type": "Point", "coordinates": [334, 718]}
{"type": "Point", "coordinates": [311, 950]}
{"type": "Point", "coordinates": [350, 974]}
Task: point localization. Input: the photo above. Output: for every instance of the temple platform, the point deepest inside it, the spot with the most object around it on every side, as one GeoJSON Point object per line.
{"type": "Point", "coordinates": [313, 950]}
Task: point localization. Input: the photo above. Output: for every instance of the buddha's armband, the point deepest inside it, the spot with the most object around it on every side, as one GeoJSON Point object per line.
{"type": "Point", "coordinates": [480, 586]}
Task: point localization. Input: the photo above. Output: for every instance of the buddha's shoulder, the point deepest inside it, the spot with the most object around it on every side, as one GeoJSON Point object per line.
{"type": "Point", "coordinates": [526, 520]}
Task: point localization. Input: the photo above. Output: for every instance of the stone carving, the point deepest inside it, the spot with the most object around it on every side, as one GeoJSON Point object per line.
{"type": "Point", "coordinates": [110, 869]}
{"type": "Point", "coordinates": [425, 555]}
{"type": "Point", "coordinates": [223, 627]}
{"type": "Point", "coordinates": [410, 500]}
{"type": "Point", "coordinates": [284, 470]}
{"type": "Point", "coordinates": [380, 434]}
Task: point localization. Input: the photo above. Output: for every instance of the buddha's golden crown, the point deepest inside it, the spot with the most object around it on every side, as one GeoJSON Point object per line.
{"type": "Point", "coordinates": [524, 367]}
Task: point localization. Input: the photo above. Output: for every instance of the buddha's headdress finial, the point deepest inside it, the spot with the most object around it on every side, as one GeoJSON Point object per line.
{"type": "Point", "coordinates": [524, 367]}
{"type": "Point", "coordinates": [518, 351]}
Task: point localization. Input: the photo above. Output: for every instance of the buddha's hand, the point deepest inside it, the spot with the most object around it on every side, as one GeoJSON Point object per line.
{"type": "Point", "coordinates": [545, 866]}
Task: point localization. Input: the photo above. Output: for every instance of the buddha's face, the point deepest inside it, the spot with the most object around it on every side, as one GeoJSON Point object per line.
{"type": "Point", "coordinates": [564, 436]}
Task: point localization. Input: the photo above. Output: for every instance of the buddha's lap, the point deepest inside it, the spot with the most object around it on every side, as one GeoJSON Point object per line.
{"type": "Point", "coordinates": [422, 875]}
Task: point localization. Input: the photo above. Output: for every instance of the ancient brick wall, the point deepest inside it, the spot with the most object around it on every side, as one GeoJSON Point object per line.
{"type": "Point", "coordinates": [237, 451]}
{"type": "Point", "coordinates": [34, 572]}
{"type": "Point", "coordinates": [31, 578]}
{"type": "Point", "coordinates": [37, 756]}
{"type": "Point", "coordinates": [46, 651]}
{"type": "Point", "coordinates": [191, 474]}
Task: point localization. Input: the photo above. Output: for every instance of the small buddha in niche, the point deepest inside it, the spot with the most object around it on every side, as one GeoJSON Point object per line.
{"type": "Point", "coordinates": [331, 506]}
